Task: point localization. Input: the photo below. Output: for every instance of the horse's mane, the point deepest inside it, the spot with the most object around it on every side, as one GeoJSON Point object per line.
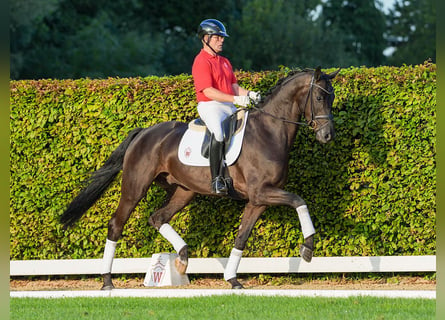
{"type": "Point", "coordinates": [280, 83]}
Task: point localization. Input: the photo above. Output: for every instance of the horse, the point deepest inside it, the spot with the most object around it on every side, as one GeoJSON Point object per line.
{"type": "Point", "coordinates": [259, 174]}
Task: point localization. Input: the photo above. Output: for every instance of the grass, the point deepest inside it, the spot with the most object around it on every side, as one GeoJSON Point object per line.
{"type": "Point", "coordinates": [222, 307]}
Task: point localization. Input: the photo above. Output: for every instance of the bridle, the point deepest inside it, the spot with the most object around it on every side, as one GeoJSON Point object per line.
{"type": "Point", "coordinates": [312, 123]}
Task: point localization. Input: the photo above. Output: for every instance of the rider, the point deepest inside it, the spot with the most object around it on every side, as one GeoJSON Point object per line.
{"type": "Point", "coordinates": [217, 91]}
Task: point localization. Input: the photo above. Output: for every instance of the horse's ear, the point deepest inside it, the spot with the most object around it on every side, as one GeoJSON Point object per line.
{"type": "Point", "coordinates": [317, 73]}
{"type": "Point", "coordinates": [333, 74]}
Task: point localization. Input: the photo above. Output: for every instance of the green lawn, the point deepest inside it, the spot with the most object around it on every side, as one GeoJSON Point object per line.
{"type": "Point", "coordinates": [223, 307]}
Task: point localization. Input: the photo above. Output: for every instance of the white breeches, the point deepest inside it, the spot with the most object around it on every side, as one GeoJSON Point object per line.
{"type": "Point", "coordinates": [213, 113]}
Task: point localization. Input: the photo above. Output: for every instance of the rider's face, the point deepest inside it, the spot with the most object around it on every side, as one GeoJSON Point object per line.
{"type": "Point", "coordinates": [216, 42]}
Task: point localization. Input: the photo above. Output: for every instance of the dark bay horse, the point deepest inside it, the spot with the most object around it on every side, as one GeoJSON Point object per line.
{"type": "Point", "coordinates": [151, 155]}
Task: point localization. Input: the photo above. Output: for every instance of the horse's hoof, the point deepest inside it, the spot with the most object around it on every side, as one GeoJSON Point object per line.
{"type": "Point", "coordinates": [108, 284]}
{"type": "Point", "coordinates": [181, 266]}
{"type": "Point", "coordinates": [235, 284]}
{"type": "Point", "coordinates": [306, 252]}
{"type": "Point", "coordinates": [107, 287]}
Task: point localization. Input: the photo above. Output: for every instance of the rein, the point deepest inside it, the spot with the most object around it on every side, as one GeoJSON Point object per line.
{"type": "Point", "coordinates": [312, 123]}
{"type": "Point", "coordinates": [279, 118]}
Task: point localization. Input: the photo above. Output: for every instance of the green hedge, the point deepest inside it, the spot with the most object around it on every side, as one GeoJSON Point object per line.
{"type": "Point", "coordinates": [370, 192]}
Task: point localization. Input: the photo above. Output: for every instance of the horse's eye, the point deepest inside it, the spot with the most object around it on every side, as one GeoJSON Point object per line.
{"type": "Point", "coordinates": [319, 98]}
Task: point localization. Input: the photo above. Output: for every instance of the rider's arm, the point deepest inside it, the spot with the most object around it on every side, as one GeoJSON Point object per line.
{"type": "Point", "coordinates": [239, 91]}
{"type": "Point", "coordinates": [215, 94]}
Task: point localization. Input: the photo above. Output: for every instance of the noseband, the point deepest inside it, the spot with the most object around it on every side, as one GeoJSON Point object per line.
{"type": "Point", "coordinates": [312, 123]}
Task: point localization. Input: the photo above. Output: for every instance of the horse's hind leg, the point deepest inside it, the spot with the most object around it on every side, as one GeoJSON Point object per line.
{"type": "Point", "coordinates": [132, 191]}
{"type": "Point", "coordinates": [178, 198]}
{"type": "Point", "coordinates": [115, 228]}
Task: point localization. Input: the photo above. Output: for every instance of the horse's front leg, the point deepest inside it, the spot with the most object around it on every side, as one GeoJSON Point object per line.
{"type": "Point", "coordinates": [276, 196]}
{"type": "Point", "coordinates": [307, 248]}
{"type": "Point", "coordinates": [250, 217]}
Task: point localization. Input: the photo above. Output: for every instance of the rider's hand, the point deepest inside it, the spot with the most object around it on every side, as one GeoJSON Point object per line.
{"type": "Point", "coordinates": [242, 101]}
{"type": "Point", "coordinates": [254, 96]}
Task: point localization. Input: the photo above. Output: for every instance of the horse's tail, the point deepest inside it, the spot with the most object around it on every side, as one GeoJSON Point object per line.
{"type": "Point", "coordinates": [97, 183]}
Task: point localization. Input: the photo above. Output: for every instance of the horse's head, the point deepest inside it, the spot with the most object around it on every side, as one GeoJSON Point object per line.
{"type": "Point", "coordinates": [317, 109]}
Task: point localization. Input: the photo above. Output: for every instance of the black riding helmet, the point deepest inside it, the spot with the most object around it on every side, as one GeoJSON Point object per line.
{"type": "Point", "coordinates": [211, 27]}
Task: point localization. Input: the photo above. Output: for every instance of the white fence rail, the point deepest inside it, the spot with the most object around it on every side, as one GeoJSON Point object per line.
{"type": "Point", "coordinates": [247, 265]}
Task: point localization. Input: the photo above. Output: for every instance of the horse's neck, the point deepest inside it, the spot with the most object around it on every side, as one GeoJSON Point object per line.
{"type": "Point", "coordinates": [279, 132]}
{"type": "Point", "coordinates": [288, 102]}
{"type": "Point", "coordinates": [284, 105]}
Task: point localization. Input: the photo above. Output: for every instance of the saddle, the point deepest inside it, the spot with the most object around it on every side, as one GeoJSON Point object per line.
{"type": "Point", "coordinates": [231, 125]}
{"type": "Point", "coordinates": [196, 139]}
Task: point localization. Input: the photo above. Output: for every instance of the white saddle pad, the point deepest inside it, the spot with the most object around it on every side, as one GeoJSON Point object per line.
{"type": "Point", "coordinates": [189, 151]}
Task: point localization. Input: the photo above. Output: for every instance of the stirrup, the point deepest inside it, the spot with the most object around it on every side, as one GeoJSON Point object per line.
{"type": "Point", "coordinates": [228, 181]}
{"type": "Point", "coordinates": [219, 186]}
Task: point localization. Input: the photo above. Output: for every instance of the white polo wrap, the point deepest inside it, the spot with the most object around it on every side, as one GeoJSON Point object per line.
{"type": "Point", "coordinates": [172, 236]}
{"type": "Point", "coordinates": [232, 264]}
{"type": "Point", "coordinates": [305, 221]}
{"type": "Point", "coordinates": [107, 261]}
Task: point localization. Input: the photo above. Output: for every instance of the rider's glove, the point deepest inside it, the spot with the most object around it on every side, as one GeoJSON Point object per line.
{"type": "Point", "coordinates": [242, 101]}
{"type": "Point", "coordinates": [254, 96]}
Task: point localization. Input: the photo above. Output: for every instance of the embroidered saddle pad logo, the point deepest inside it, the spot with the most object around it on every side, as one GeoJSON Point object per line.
{"type": "Point", "coordinates": [190, 147]}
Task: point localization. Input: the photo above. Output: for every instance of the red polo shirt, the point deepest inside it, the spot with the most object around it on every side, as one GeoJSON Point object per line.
{"type": "Point", "coordinates": [212, 71]}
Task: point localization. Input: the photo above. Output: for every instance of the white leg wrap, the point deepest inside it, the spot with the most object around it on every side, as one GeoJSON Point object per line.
{"type": "Point", "coordinates": [107, 262]}
{"type": "Point", "coordinates": [172, 236]}
{"type": "Point", "coordinates": [232, 264]}
{"type": "Point", "coordinates": [305, 221]}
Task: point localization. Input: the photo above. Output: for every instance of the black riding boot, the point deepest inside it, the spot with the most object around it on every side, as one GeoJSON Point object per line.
{"type": "Point", "coordinates": [216, 166]}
